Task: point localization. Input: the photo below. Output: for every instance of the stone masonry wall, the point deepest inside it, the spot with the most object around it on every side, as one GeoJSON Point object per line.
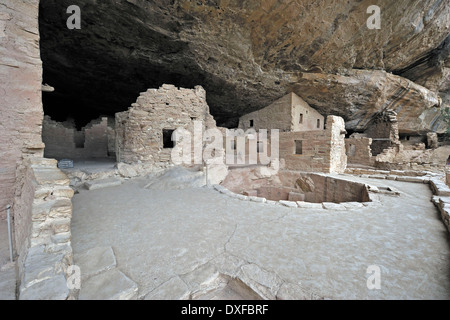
{"type": "Point", "coordinates": [62, 140]}
{"type": "Point", "coordinates": [322, 151]}
{"type": "Point", "coordinates": [21, 151]}
{"type": "Point", "coordinates": [20, 91]}
{"type": "Point", "coordinates": [290, 113]}
{"type": "Point", "coordinates": [311, 119]}
{"type": "Point", "coordinates": [43, 266]}
{"type": "Point", "coordinates": [275, 116]}
{"type": "Point", "coordinates": [111, 135]}
{"type": "Point", "coordinates": [359, 151]}
{"type": "Point", "coordinates": [139, 131]}
{"type": "Point", "coordinates": [384, 131]}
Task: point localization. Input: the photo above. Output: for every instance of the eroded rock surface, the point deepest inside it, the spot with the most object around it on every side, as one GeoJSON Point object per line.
{"type": "Point", "coordinates": [248, 54]}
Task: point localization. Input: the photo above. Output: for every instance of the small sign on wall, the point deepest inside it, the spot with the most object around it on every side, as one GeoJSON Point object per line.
{"type": "Point", "coordinates": [65, 163]}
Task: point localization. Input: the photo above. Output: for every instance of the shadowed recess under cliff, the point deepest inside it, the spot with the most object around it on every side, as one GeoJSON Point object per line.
{"type": "Point", "coordinates": [245, 54]}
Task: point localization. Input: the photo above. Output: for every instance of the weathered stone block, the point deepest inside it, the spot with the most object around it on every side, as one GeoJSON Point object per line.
{"type": "Point", "coordinates": [309, 205]}
{"type": "Point", "coordinates": [104, 183]}
{"type": "Point", "coordinates": [95, 261]}
{"type": "Point", "coordinates": [54, 288]}
{"type": "Point", "coordinates": [251, 193]}
{"type": "Point", "coordinates": [295, 196]}
{"type": "Point", "coordinates": [109, 285]}
{"type": "Point", "coordinates": [290, 204]}
{"type": "Point", "coordinates": [333, 206]}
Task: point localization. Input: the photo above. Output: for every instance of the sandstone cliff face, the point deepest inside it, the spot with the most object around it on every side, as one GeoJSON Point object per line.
{"type": "Point", "coordinates": [20, 91]}
{"type": "Point", "coordinates": [359, 94]}
{"type": "Point", "coordinates": [20, 112]}
{"type": "Point", "coordinates": [245, 53]}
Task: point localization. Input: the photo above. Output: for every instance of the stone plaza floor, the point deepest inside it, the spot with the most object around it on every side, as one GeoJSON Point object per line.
{"type": "Point", "coordinates": [174, 243]}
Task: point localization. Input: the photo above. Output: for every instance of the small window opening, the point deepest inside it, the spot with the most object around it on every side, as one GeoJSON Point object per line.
{"type": "Point", "coordinates": [301, 118]}
{"type": "Point", "coordinates": [251, 123]}
{"type": "Point", "coordinates": [298, 147]}
{"type": "Point", "coordinates": [167, 139]}
{"type": "Point", "coordinates": [79, 139]}
{"type": "Point", "coordinates": [318, 123]}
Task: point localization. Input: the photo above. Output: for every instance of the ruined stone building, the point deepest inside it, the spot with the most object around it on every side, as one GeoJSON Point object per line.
{"type": "Point", "coordinates": [64, 141]}
{"type": "Point", "coordinates": [287, 114]}
{"type": "Point", "coordinates": [380, 146]}
{"type": "Point", "coordinates": [305, 144]}
{"type": "Point", "coordinates": [144, 133]}
{"type": "Point", "coordinates": [380, 138]}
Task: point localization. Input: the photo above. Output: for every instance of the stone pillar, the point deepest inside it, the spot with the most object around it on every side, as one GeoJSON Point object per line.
{"type": "Point", "coordinates": [338, 157]}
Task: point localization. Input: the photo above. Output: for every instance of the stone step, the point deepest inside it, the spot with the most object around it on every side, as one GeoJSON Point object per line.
{"type": "Point", "coordinates": [43, 163]}
{"type": "Point", "coordinates": [51, 176]}
{"type": "Point", "coordinates": [104, 183]}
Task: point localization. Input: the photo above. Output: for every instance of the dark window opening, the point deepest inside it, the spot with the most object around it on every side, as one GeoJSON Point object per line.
{"type": "Point", "coordinates": [80, 139]}
{"type": "Point", "coordinates": [318, 123]}
{"type": "Point", "coordinates": [298, 147]}
{"type": "Point", "coordinates": [167, 139]}
{"type": "Point", "coordinates": [251, 123]}
{"type": "Point", "coordinates": [193, 118]}
{"type": "Point", "coordinates": [301, 118]}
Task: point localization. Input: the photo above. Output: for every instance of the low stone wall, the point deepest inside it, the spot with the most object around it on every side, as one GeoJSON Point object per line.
{"type": "Point", "coordinates": [329, 189]}
{"type": "Point", "coordinates": [437, 182]}
{"type": "Point", "coordinates": [42, 231]}
{"type": "Point", "coordinates": [299, 204]}
{"type": "Point", "coordinates": [294, 186]}
{"type": "Point", "coordinates": [410, 166]}
{"type": "Point", "coordinates": [385, 173]}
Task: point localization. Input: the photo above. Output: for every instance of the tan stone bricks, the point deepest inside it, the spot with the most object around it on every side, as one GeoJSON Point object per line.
{"type": "Point", "coordinates": [321, 151]}
{"type": "Point", "coordinates": [144, 132]}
